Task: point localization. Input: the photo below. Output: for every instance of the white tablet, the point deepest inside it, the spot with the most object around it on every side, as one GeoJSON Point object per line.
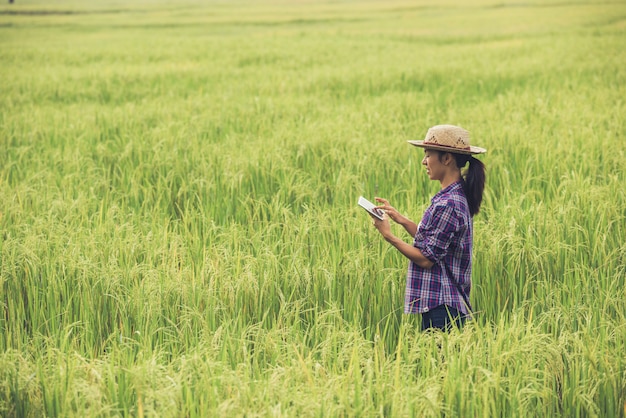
{"type": "Point", "coordinates": [371, 208]}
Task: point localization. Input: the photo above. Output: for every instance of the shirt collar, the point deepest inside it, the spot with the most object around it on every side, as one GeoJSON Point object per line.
{"type": "Point", "coordinates": [454, 186]}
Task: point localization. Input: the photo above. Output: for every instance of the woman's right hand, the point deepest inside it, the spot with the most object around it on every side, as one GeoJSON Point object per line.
{"type": "Point", "coordinates": [390, 210]}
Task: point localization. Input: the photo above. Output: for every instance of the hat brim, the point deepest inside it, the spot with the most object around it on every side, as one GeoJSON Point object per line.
{"type": "Point", "coordinates": [471, 150]}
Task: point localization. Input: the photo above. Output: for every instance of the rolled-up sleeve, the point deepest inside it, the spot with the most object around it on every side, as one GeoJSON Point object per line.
{"type": "Point", "coordinates": [436, 231]}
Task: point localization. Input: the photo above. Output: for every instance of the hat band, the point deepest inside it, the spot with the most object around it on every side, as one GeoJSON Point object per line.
{"type": "Point", "coordinates": [468, 148]}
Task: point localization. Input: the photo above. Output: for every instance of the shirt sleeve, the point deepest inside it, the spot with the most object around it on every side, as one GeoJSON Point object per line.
{"type": "Point", "coordinates": [436, 231]}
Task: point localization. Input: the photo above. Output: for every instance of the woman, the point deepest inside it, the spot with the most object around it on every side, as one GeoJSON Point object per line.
{"type": "Point", "coordinates": [440, 259]}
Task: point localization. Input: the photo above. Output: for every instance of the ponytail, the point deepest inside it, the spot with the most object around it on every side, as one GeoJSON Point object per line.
{"type": "Point", "coordinates": [474, 184]}
{"type": "Point", "coordinates": [473, 180]}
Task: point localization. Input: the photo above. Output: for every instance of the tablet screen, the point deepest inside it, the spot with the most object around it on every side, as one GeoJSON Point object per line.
{"type": "Point", "coordinates": [371, 208]}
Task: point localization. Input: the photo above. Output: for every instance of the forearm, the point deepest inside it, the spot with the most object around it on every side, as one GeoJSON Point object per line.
{"type": "Point", "coordinates": [409, 251]}
{"type": "Point", "coordinates": [409, 226]}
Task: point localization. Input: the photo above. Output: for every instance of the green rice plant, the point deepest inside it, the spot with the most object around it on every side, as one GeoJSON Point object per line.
{"type": "Point", "coordinates": [180, 235]}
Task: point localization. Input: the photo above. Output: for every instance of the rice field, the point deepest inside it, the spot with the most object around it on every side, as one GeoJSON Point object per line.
{"type": "Point", "coordinates": [180, 234]}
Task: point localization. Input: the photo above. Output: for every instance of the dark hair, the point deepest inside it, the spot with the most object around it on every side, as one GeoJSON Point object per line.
{"type": "Point", "coordinates": [473, 180]}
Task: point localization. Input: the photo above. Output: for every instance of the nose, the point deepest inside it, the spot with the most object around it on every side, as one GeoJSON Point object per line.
{"type": "Point", "coordinates": [424, 160]}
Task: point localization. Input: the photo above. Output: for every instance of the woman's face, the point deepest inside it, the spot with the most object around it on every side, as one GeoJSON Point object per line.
{"type": "Point", "coordinates": [434, 167]}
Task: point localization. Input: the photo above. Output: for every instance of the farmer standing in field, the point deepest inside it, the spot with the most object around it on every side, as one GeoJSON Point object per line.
{"type": "Point", "coordinates": [440, 259]}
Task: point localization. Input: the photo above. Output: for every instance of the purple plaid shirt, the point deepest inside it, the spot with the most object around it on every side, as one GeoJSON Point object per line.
{"type": "Point", "coordinates": [444, 236]}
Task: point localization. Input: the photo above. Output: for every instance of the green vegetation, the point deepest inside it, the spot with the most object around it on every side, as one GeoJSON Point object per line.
{"type": "Point", "coordinates": [180, 235]}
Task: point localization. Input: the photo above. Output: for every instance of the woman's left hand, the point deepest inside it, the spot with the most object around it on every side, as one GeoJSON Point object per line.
{"type": "Point", "coordinates": [383, 226]}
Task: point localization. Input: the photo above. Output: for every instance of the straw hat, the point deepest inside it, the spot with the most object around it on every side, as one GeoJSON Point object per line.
{"type": "Point", "coordinates": [448, 138]}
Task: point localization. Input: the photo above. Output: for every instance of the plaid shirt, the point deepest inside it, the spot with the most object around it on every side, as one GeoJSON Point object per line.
{"type": "Point", "coordinates": [444, 236]}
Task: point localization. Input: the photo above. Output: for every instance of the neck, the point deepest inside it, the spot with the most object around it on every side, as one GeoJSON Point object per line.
{"type": "Point", "coordinates": [449, 178]}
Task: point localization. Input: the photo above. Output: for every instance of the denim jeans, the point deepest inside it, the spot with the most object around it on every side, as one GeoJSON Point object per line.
{"type": "Point", "coordinates": [442, 317]}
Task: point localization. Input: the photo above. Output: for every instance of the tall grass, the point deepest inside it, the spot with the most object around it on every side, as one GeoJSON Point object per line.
{"type": "Point", "coordinates": [178, 219]}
